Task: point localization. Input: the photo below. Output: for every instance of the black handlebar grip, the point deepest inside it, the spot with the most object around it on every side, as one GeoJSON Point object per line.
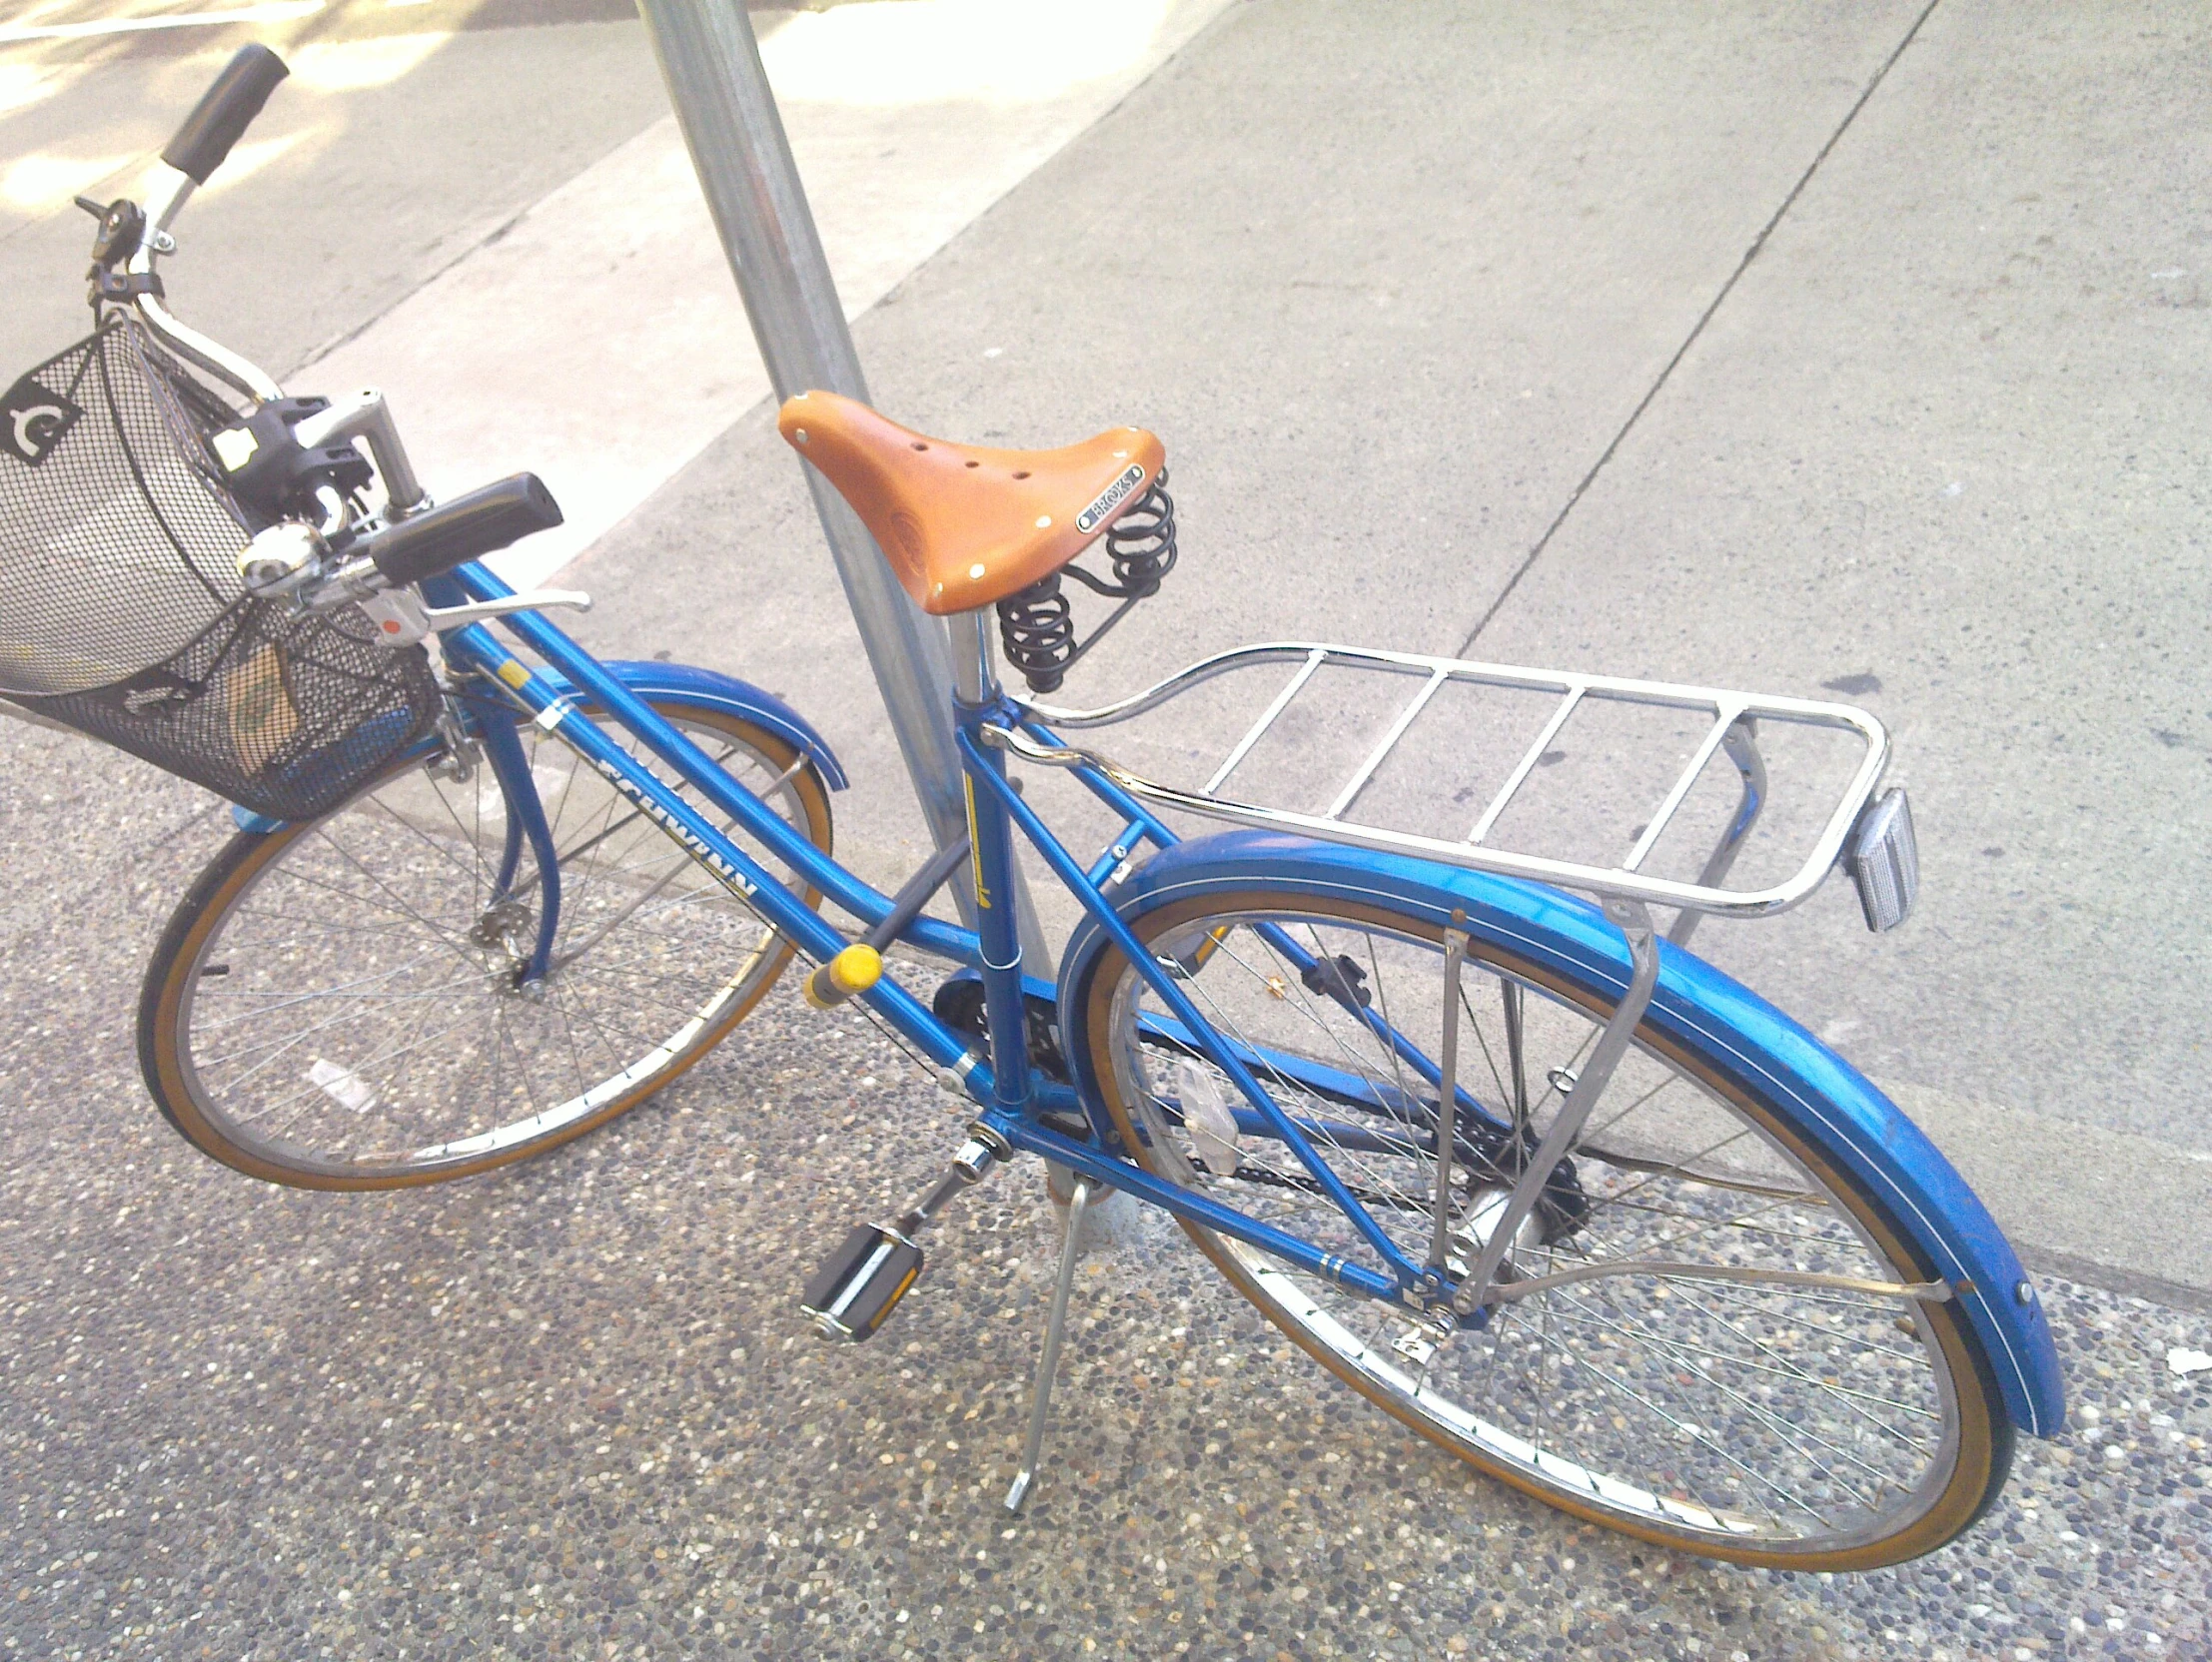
{"type": "Point", "coordinates": [466, 528]}
{"type": "Point", "coordinates": [223, 112]}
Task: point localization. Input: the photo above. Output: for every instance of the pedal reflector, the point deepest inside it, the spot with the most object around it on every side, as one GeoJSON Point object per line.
{"type": "Point", "coordinates": [856, 1290]}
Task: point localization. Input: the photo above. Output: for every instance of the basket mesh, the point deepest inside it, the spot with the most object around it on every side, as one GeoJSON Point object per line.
{"type": "Point", "coordinates": [121, 610]}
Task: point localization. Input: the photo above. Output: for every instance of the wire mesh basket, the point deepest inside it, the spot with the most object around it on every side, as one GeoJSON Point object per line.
{"type": "Point", "coordinates": [121, 610]}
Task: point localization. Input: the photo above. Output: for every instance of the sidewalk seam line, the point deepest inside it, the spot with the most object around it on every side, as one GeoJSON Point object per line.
{"type": "Point", "coordinates": [1697, 330]}
{"type": "Point", "coordinates": [2113, 1278]}
{"type": "Point", "coordinates": [897, 287]}
{"type": "Point", "coordinates": [316, 354]}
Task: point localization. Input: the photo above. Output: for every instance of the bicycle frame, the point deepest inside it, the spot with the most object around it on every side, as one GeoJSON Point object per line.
{"type": "Point", "coordinates": [1011, 1096]}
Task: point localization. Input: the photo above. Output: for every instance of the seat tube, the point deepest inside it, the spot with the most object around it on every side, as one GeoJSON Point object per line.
{"type": "Point", "coordinates": [990, 836]}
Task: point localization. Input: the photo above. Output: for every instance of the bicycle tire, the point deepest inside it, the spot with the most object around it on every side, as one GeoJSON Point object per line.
{"type": "Point", "coordinates": [215, 1111]}
{"type": "Point", "coordinates": [1124, 1058]}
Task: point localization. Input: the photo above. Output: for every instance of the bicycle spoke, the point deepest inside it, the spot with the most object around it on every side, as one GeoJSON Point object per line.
{"type": "Point", "coordinates": [1692, 1434]}
{"type": "Point", "coordinates": [279, 1046]}
{"type": "Point", "coordinates": [473, 875]}
{"type": "Point", "coordinates": [309, 1092]}
{"type": "Point", "coordinates": [1799, 1376]}
{"type": "Point", "coordinates": [1684, 1356]}
{"type": "Point", "coordinates": [286, 1001]}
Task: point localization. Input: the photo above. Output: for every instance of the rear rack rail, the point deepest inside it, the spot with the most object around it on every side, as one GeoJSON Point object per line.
{"type": "Point", "coordinates": [1733, 731]}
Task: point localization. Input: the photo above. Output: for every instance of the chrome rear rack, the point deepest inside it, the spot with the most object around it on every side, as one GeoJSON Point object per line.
{"type": "Point", "coordinates": [1733, 731]}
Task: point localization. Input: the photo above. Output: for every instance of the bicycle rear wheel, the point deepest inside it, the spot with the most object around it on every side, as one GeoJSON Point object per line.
{"type": "Point", "coordinates": [1806, 1428]}
{"type": "Point", "coordinates": [334, 1003]}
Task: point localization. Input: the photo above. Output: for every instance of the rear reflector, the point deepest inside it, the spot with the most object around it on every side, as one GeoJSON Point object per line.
{"type": "Point", "coordinates": [1884, 860]}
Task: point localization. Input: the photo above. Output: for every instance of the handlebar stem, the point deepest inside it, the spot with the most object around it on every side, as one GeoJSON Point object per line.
{"type": "Point", "coordinates": [168, 191]}
{"type": "Point", "coordinates": [365, 415]}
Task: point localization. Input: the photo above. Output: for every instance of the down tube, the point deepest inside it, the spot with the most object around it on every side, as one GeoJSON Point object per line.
{"type": "Point", "coordinates": [584, 672]}
{"type": "Point", "coordinates": [732, 865]}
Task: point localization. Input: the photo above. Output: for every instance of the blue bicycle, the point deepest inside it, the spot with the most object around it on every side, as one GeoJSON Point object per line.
{"type": "Point", "coordinates": [1517, 1166]}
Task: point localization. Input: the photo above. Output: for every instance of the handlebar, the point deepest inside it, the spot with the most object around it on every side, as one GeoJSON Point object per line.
{"type": "Point", "coordinates": [431, 543]}
{"type": "Point", "coordinates": [199, 146]}
{"type": "Point", "coordinates": [420, 543]}
{"type": "Point", "coordinates": [223, 112]}
{"type": "Point", "coordinates": [233, 99]}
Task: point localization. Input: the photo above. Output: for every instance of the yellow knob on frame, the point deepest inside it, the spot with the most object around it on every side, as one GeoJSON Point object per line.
{"type": "Point", "coordinates": [853, 971]}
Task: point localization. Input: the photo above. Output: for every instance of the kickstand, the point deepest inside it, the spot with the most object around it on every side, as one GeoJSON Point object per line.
{"type": "Point", "coordinates": [1040, 1406]}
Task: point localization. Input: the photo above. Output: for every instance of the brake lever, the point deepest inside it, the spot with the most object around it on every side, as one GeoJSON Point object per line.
{"type": "Point", "coordinates": [402, 619]}
{"type": "Point", "coordinates": [122, 227]}
{"type": "Point", "coordinates": [535, 600]}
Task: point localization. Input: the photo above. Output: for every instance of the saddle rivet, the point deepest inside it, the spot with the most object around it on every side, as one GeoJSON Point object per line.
{"type": "Point", "coordinates": [1044, 521]}
{"type": "Point", "coordinates": [976, 571]}
{"type": "Point", "coordinates": [799, 434]}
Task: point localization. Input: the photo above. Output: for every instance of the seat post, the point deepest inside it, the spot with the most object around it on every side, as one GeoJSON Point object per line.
{"type": "Point", "coordinates": [975, 682]}
{"type": "Point", "coordinates": [974, 666]}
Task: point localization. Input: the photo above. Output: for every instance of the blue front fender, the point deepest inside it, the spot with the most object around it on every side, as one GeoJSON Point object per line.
{"type": "Point", "coordinates": [688, 684]}
{"type": "Point", "coordinates": [682, 684]}
{"type": "Point", "coordinates": [1725, 1025]}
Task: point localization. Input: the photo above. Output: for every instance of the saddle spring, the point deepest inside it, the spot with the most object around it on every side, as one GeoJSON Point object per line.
{"type": "Point", "coordinates": [1037, 626]}
{"type": "Point", "coordinates": [1141, 545]}
{"type": "Point", "coordinates": [1037, 629]}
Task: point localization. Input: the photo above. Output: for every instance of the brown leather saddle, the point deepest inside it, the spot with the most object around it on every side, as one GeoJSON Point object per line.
{"type": "Point", "coordinates": [962, 525]}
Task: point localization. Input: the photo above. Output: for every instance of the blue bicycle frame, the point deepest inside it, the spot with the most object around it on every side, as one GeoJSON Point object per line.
{"type": "Point", "coordinates": [1949, 1227]}
{"type": "Point", "coordinates": [1011, 1096]}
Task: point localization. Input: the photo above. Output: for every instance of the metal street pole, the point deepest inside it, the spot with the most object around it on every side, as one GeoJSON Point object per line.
{"type": "Point", "coordinates": [710, 60]}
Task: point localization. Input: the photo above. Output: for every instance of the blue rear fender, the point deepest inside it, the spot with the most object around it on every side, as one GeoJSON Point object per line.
{"type": "Point", "coordinates": [680, 683]}
{"type": "Point", "coordinates": [1722, 1023]}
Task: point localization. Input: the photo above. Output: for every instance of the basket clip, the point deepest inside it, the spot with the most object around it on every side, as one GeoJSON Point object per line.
{"type": "Point", "coordinates": [110, 287]}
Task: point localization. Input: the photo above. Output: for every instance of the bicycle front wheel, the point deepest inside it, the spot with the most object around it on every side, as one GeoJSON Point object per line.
{"type": "Point", "coordinates": [1745, 1419]}
{"type": "Point", "coordinates": [334, 1003]}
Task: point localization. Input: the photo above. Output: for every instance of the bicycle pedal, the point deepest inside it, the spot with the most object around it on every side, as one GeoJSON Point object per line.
{"type": "Point", "coordinates": [855, 1290]}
